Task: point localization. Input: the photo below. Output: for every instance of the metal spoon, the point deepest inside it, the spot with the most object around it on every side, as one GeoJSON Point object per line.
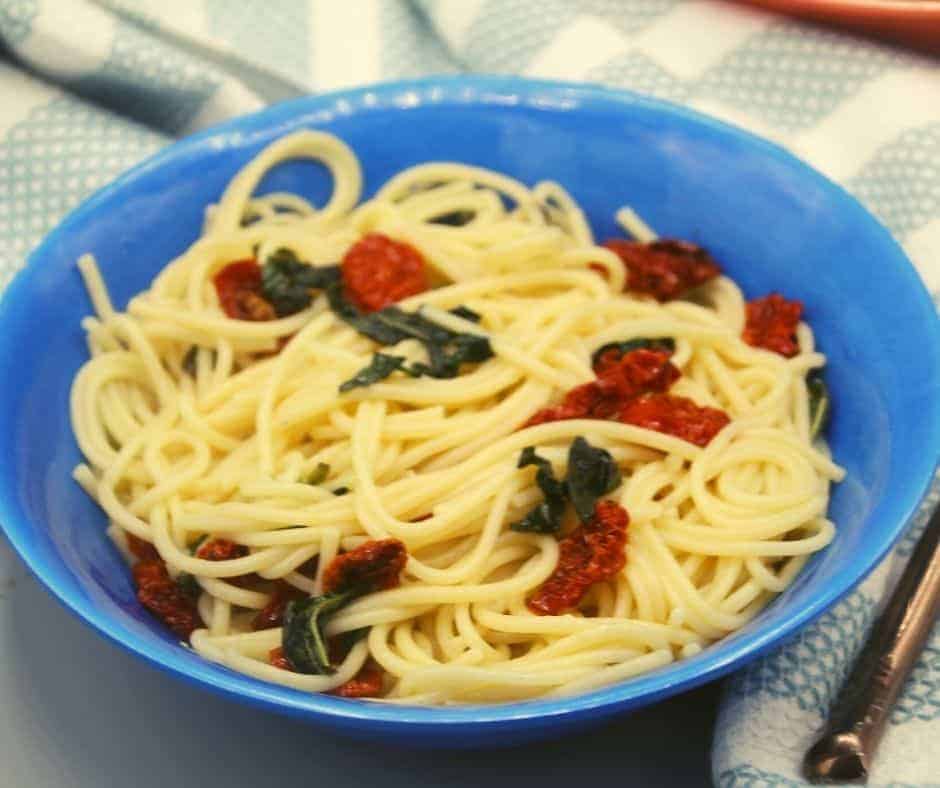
{"type": "Point", "coordinates": [857, 718]}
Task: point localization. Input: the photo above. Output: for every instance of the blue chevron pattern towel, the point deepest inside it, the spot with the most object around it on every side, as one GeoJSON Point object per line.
{"type": "Point", "coordinates": [92, 86]}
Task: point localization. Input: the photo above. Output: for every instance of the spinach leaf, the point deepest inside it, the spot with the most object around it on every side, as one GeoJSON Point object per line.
{"type": "Point", "coordinates": [446, 349]}
{"type": "Point", "coordinates": [186, 581]}
{"type": "Point", "coordinates": [466, 313]}
{"type": "Point", "coordinates": [454, 218]}
{"type": "Point", "coordinates": [286, 281]}
{"type": "Point", "coordinates": [189, 585]}
{"type": "Point", "coordinates": [318, 475]}
{"type": "Point", "coordinates": [444, 359]}
{"type": "Point", "coordinates": [546, 517]}
{"type": "Point", "coordinates": [381, 366]}
{"type": "Point", "coordinates": [820, 403]}
{"type": "Point", "coordinates": [662, 343]}
{"type": "Point", "coordinates": [592, 473]}
{"type": "Point", "coordinates": [302, 639]}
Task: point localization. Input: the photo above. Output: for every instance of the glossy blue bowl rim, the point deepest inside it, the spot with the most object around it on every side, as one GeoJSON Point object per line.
{"type": "Point", "coordinates": [638, 691]}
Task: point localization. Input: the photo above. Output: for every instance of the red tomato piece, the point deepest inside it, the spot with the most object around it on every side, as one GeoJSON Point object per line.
{"type": "Point", "coordinates": [277, 658]}
{"type": "Point", "coordinates": [378, 271]}
{"type": "Point", "coordinates": [221, 550]}
{"type": "Point", "coordinates": [226, 550]}
{"type": "Point", "coordinates": [272, 615]}
{"type": "Point", "coordinates": [367, 683]}
{"type": "Point", "coordinates": [639, 371]}
{"type": "Point", "coordinates": [771, 324]}
{"type": "Point", "coordinates": [635, 373]}
{"type": "Point", "coordinates": [678, 416]}
{"type": "Point", "coordinates": [664, 269]}
{"type": "Point", "coordinates": [140, 548]}
{"type": "Point", "coordinates": [238, 286]}
{"type": "Point", "coordinates": [373, 566]}
{"type": "Point", "coordinates": [594, 551]}
{"type": "Point", "coordinates": [163, 597]}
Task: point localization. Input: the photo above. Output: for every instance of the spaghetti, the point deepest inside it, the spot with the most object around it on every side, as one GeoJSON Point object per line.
{"type": "Point", "coordinates": [242, 445]}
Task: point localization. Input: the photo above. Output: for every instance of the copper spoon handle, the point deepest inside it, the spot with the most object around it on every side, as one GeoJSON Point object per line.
{"type": "Point", "coordinates": [857, 718]}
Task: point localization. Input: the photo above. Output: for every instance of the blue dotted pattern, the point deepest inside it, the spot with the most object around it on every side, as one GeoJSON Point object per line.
{"type": "Point", "coordinates": [50, 161]}
{"type": "Point", "coordinates": [810, 669]}
{"type": "Point", "coordinates": [409, 47]}
{"type": "Point", "coordinates": [751, 777]}
{"type": "Point", "coordinates": [748, 776]}
{"type": "Point", "coordinates": [16, 19]}
{"type": "Point", "coordinates": [274, 35]}
{"type": "Point", "coordinates": [793, 76]}
{"type": "Point", "coordinates": [149, 80]}
{"type": "Point", "coordinates": [901, 183]}
{"type": "Point", "coordinates": [920, 699]}
{"type": "Point", "coordinates": [505, 37]}
{"type": "Point", "coordinates": [637, 71]}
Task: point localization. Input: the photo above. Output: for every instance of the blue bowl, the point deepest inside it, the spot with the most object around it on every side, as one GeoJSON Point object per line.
{"type": "Point", "coordinates": [772, 221]}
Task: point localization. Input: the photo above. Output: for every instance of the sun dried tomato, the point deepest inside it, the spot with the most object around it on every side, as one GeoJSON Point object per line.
{"type": "Point", "coordinates": [272, 615]}
{"type": "Point", "coordinates": [678, 416]}
{"type": "Point", "coordinates": [664, 269]}
{"type": "Point", "coordinates": [140, 548]}
{"type": "Point", "coordinates": [378, 271]}
{"type": "Point", "coordinates": [771, 324]}
{"type": "Point", "coordinates": [373, 566]}
{"type": "Point", "coordinates": [163, 597]}
{"type": "Point", "coordinates": [367, 683]}
{"type": "Point", "coordinates": [227, 550]}
{"type": "Point", "coordinates": [276, 657]}
{"type": "Point", "coordinates": [593, 552]}
{"type": "Point", "coordinates": [221, 550]}
{"type": "Point", "coordinates": [637, 372]}
{"type": "Point", "coordinates": [238, 286]}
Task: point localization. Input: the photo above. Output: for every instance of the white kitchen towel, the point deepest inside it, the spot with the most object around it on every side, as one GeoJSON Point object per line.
{"type": "Point", "coordinates": [92, 86]}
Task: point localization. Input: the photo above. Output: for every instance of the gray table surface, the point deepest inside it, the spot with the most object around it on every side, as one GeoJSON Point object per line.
{"type": "Point", "coordinates": [79, 711]}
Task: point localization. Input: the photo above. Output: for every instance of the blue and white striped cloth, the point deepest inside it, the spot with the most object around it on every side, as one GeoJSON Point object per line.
{"type": "Point", "coordinates": [92, 86]}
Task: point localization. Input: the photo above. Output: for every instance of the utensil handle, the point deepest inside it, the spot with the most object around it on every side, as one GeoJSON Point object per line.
{"type": "Point", "coordinates": [857, 718]}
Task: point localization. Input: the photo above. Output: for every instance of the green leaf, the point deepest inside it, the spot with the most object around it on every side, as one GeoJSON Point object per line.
{"type": "Point", "coordinates": [187, 582]}
{"type": "Point", "coordinates": [447, 350]}
{"type": "Point", "coordinates": [662, 343]}
{"type": "Point", "coordinates": [466, 313]}
{"type": "Point", "coordinates": [381, 366]}
{"type": "Point", "coordinates": [454, 218]}
{"type": "Point", "coordinates": [302, 639]}
{"type": "Point", "coordinates": [592, 473]}
{"type": "Point", "coordinates": [189, 585]}
{"type": "Point", "coordinates": [287, 282]}
{"type": "Point", "coordinates": [546, 517]}
{"type": "Point", "coordinates": [820, 403]}
{"type": "Point", "coordinates": [318, 475]}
